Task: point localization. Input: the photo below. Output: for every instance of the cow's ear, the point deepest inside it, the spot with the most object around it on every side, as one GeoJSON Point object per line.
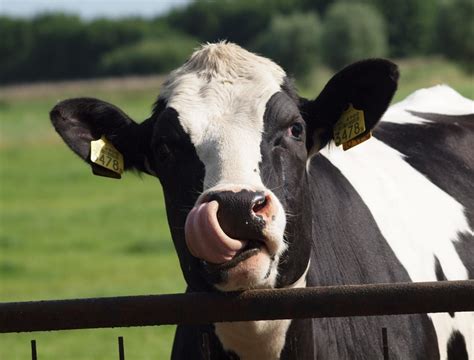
{"type": "Point", "coordinates": [367, 85]}
{"type": "Point", "coordinates": [80, 121]}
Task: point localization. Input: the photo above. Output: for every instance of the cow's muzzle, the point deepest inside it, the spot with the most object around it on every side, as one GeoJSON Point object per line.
{"type": "Point", "coordinates": [227, 227]}
{"type": "Point", "coordinates": [241, 215]}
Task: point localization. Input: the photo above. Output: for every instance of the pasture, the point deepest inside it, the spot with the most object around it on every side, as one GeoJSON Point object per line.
{"type": "Point", "coordinates": [65, 233]}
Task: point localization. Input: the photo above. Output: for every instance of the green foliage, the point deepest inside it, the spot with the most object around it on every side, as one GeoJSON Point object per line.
{"type": "Point", "coordinates": [410, 24]}
{"type": "Point", "coordinates": [455, 32]}
{"type": "Point", "coordinates": [319, 6]}
{"type": "Point", "coordinates": [236, 21]}
{"type": "Point", "coordinates": [292, 41]}
{"type": "Point", "coordinates": [104, 35]}
{"type": "Point", "coordinates": [352, 31]}
{"type": "Point", "coordinates": [148, 56]}
{"type": "Point", "coordinates": [16, 39]}
{"type": "Point", "coordinates": [58, 46]}
{"type": "Point", "coordinates": [45, 47]}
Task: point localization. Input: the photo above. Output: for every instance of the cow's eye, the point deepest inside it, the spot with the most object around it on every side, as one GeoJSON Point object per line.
{"type": "Point", "coordinates": [296, 130]}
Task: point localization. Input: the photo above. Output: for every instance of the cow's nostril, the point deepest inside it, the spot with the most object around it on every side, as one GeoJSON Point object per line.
{"type": "Point", "coordinates": [259, 203]}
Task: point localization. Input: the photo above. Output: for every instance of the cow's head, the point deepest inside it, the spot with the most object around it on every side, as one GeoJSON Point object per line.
{"type": "Point", "coordinates": [230, 140]}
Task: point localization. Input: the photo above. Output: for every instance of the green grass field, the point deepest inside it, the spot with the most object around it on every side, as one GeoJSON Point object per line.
{"type": "Point", "coordinates": [65, 233]}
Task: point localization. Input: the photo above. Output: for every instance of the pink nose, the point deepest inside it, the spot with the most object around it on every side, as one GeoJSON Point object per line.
{"type": "Point", "coordinates": [262, 207]}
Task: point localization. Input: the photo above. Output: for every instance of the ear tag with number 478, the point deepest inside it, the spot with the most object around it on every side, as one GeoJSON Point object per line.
{"type": "Point", "coordinates": [350, 125]}
{"type": "Point", "coordinates": [109, 159]}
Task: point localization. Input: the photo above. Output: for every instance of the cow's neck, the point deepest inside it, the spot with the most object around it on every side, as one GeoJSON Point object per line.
{"type": "Point", "coordinates": [257, 339]}
{"type": "Point", "coordinates": [349, 247]}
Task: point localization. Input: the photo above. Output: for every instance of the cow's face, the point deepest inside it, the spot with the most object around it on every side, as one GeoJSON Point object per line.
{"type": "Point", "coordinates": [229, 141]}
{"type": "Point", "coordinates": [246, 134]}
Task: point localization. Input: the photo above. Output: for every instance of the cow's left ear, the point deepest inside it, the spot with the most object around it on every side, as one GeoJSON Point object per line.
{"type": "Point", "coordinates": [80, 121]}
{"type": "Point", "coordinates": [367, 85]}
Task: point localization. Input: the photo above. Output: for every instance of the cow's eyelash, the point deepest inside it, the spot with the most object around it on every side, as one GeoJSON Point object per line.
{"type": "Point", "coordinates": [291, 121]}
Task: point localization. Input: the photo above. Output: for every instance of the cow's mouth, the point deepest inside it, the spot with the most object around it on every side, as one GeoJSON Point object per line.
{"type": "Point", "coordinates": [236, 253]}
{"type": "Point", "coordinates": [252, 248]}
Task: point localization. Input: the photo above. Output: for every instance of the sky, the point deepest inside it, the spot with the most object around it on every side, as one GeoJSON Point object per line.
{"type": "Point", "coordinates": [89, 9]}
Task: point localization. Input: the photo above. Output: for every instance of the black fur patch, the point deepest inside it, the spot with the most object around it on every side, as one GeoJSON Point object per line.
{"type": "Point", "coordinates": [348, 248]}
{"type": "Point", "coordinates": [283, 171]}
{"type": "Point", "coordinates": [457, 347]}
{"type": "Point", "coordinates": [442, 151]}
{"type": "Point", "coordinates": [440, 275]}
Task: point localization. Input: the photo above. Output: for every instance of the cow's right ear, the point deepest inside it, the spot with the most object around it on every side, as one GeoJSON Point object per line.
{"type": "Point", "coordinates": [367, 86]}
{"type": "Point", "coordinates": [80, 121]}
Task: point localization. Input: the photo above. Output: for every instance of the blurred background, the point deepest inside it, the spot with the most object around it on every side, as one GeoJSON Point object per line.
{"type": "Point", "coordinates": [67, 234]}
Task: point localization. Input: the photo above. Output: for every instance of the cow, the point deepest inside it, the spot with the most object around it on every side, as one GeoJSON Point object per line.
{"type": "Point", "coordinates": [258, 195]}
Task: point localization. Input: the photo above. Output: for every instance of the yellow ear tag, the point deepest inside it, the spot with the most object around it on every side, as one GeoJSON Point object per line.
{"type": "Point", "coordinates": [104, 154]}
{"type": "Point", "coordinates": [356, 141]}
{"type": "Point", "coordinates": [350, 125]}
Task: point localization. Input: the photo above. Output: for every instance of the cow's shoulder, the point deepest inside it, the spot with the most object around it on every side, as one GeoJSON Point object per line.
{"type": "Point", "coordinates": [434, 131]}
{"type": "Point", "coordinates": [433, 125]}
{"type": "Point", "coordinates": [423, 169]}
{"type": "Point", "coordinates": [439, 99]}
{"type": "Point", "coordinates": [415, 178]}
{"type": "Point", "coordinates": [436, 117]}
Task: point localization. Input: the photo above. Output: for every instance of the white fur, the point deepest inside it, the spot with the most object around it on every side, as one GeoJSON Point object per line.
{"type": "Point", "coordinates": [220, 94]}
{"type": "Point", "coordinates": [437, 99]}
{"type": "Point", "coordinates": [418, 219]}
{"type": "Point", "coordinates": [257, 339]}
{"type": "Point", "coordinates": [254, 278]}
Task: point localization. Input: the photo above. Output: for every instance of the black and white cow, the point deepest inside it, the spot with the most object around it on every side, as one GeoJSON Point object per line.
{"type": "Point", "coordinates": [258, 196]}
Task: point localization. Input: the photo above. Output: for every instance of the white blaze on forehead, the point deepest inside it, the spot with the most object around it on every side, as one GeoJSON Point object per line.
{"type": "Point", "coordinates": [220, 95]}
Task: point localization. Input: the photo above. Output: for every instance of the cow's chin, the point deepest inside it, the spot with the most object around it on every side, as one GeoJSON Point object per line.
{"type": "Point", "coordinates": [252, 269]}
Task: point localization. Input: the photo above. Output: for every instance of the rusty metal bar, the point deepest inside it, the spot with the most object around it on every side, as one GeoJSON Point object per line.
{"type": "Point", "coordinates": [205, 350]}
{"type": "Point", "coordinates": [201, 308]}
{"type": "Point", "coordinates": [385, 343]}
{"type": "Point", "coordinates": [34, 355]}
{"type": "Point", "coordinates": [121, 348]}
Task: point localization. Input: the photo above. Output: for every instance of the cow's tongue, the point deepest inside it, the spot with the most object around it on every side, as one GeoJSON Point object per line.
{"type": "Point", "coordinates": [206, 239]}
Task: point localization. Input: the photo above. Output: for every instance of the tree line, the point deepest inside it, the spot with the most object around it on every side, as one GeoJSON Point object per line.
{"type": "Point", "coordinates": [298, 34]}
